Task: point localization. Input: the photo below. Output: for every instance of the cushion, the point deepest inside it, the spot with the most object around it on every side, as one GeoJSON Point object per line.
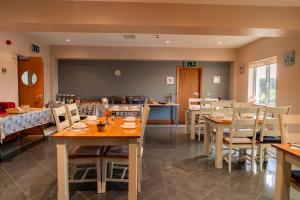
{"type": "Point", "coordinates": [295, 174]}
{"type": "Point", "coordinates": [238, 140]}
{"type": "Point", "coordinates": [76, 151]}
{"type": "Point", "coordinates": [117, 151]}
{"type": "Point", "coordinates": [268, 139]}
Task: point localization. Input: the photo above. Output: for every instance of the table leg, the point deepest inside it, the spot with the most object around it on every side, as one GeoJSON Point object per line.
{"type": "Point", "coordinates": [62, 172]}
{"type": "Point", "coordinates": [132, 191]}
{"type": "Point", "coordinates": [187, 123]}
{"type": "Point", "coordinates": [176, 115]}
{"type": "Point", "coordinates": [219, 147]}
{"type": "Point", "coordinates": [283, 175]}
{"type": "Point", "coordinates": [206, 139]}
{"type": "Point", "coordinates": [193, 126]}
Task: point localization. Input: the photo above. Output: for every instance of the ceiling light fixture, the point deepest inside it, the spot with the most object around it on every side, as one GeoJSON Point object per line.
{"type": "Point", "coordinates": [220, 43]}
{"type": "Point", "coordinates": [168, 42]}
{"type": "Point", "coordinates": [68, 40]}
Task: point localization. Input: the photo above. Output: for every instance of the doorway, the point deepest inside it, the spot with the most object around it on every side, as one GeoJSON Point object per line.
{"type": "Point", "coordinates": [31, 81]}
{"type": "Point", "coordinates": [188, 86]}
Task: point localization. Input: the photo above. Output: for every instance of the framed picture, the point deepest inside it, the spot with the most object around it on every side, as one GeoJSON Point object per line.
{"type": "Point", "coordinates": [289, 58]}
{"type": "Point", "coordinates": [216, 79]}
{"type": "Point", "coordinates": [170, 80]}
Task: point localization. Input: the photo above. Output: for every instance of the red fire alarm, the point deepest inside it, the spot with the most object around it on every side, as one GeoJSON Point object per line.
{"type": "Point", "coordinates": [8, 42]}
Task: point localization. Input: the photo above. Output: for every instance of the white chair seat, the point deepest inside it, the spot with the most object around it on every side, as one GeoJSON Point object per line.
{"type": "Point", "coordinates": [238, 140]}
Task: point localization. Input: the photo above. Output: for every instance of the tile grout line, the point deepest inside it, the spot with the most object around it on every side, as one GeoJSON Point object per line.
{"type": "Point", "coordinates": [46, 168]}
{"type": "Point", "coordinates": [83, 195]}
{"type": "Point", "coordinates": [13, 180]}
{"type": "Point", "coordinates": [213, 189]}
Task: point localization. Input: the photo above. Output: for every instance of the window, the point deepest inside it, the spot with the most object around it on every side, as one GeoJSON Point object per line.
{"type": "Point", "coordinates": [262, 81]}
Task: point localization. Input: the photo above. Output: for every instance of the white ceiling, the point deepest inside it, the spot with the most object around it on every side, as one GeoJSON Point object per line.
{"type": "Point", "coordinates": [142, 40]}
{"type": "Point", "coordinates": [292, 3]}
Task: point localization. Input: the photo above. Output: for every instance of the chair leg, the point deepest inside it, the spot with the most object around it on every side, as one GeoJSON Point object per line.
{"type": "Point", "coordinates": [111, 169]}
{"type": "Point", "coordinates": [72, 170]}
{"type": "Point", "coordinates": [103, 176]}
{"type": "Point", "coordinates": [98, 168]}
{"type": "Point", "coordinates": [260, 158]}
{"type": "Point", "coordinates": [252, 158]}
{"type": "Point", "coordinates": [229, 158]}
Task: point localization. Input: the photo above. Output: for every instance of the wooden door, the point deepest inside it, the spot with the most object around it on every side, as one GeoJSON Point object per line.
{"type": "Point", "coordinates": [188, 84]}
{"type": "Point", "coordinates": [31, 82]}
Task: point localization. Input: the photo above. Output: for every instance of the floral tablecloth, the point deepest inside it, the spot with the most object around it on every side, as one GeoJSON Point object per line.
{"type": "Point", "coordinates": [13, 123]}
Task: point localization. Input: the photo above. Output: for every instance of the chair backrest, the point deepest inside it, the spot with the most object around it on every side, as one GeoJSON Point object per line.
{"type": "Point", "coordinates": [243, 104]}
{"type": "Point", "coordinates": [243, 123]}
{"type": "Point", "coordinates": [289, 123]}
{"type": "Point", "coordinates": [270, 125]}
{"type": "Point", "coordinates": [146, 112]}
{"type": "Point", "coordinates": [61, 118]}
{"type": "Point", "coordinates": [207, 102]}
{"type": "Point", "coordinates": [223, 107]}
{"type": "Point", "coordinates": [73, 113]}
{"type": "Point", "coordinates": [195, 103]}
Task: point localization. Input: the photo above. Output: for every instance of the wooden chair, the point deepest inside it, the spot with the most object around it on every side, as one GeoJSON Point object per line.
{"type": "Point", "coordinates": [73, 113]}
{"type": "Point", "coordinates": [242, 134]}
{"type": "Point", "coordinates": [61, 118]}
{"type": "Point", "coordinates": [195, 103]}
{"type": "Point", "coordinates": [289, 126]}
{"type": "Point", "coordinates": [243, 104]}
{"type": "Point", "coordinates": [118, 156]}
{"type": "Point", "coordinates": [269, 132]}
{"type": "Point", "coordinates": [78, 154]}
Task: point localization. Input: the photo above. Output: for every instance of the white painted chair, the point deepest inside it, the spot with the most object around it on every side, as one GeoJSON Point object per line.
{"type": "Point", "coordinates": [289, 126]}
{"type": "Point", "coordinates": [78, 154]}
{"type": "Point", "coordinates": [73, 113]}
{"type": "Point", "coordinates": [242, 134]}
{"type": "Point", "coordinates": [243, 104]}
{"type": "Point", "coordinates": [269, 132]}
{"type": "Point", "coordinates": [195, 103]}
{"type": "Point", "coordinates": [61, 118]}
{"type": "Point", "coordinates": [117, 157]}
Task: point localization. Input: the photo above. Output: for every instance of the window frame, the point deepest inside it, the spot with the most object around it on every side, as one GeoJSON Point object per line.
{"type": "Point", "coordinates": [267, 63]}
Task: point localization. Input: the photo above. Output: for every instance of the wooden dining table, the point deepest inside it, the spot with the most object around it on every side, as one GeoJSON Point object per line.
{"type": "Point", "coordinates": [220, 124]}
{"type": "Point", "coordinates": [287, 155]}
{"type": "Point", "coordinates": [114, 135]}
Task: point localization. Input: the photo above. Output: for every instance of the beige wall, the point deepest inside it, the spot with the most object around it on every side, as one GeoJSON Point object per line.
{"type": "Point", "coordinates": [21, 45]}
{"type": "Point", "coordinates": [133, 53]}
{"type": "Point", "coordinates": [288, 82]}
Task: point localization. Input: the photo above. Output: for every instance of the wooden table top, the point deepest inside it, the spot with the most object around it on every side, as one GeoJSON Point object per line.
{"type": "Point", "coordinates": [113, 130]}
{"type": "Point", "coordinates": [289, 148]}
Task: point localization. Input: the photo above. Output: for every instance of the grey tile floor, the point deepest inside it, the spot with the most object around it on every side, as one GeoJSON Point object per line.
{"type": "Point", "coordinates": [173, 169]}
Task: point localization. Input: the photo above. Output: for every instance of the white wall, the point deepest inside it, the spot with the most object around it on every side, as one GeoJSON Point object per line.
{"type": "Point", "coordinates": [21, 45]}
{"type": "Point", "coordinates": [288, 77]}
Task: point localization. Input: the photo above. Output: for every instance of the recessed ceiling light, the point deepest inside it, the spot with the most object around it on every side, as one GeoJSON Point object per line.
{"type": "Point", "coordinates": [168, 41]}
{"type": "Point", "coordinates": [68, 40]}
{"type": "Point", "coordinates": [220, 43]}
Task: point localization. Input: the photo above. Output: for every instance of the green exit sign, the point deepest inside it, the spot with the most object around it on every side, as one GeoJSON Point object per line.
{"type": "Point", "coordinates": [189, 63]}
